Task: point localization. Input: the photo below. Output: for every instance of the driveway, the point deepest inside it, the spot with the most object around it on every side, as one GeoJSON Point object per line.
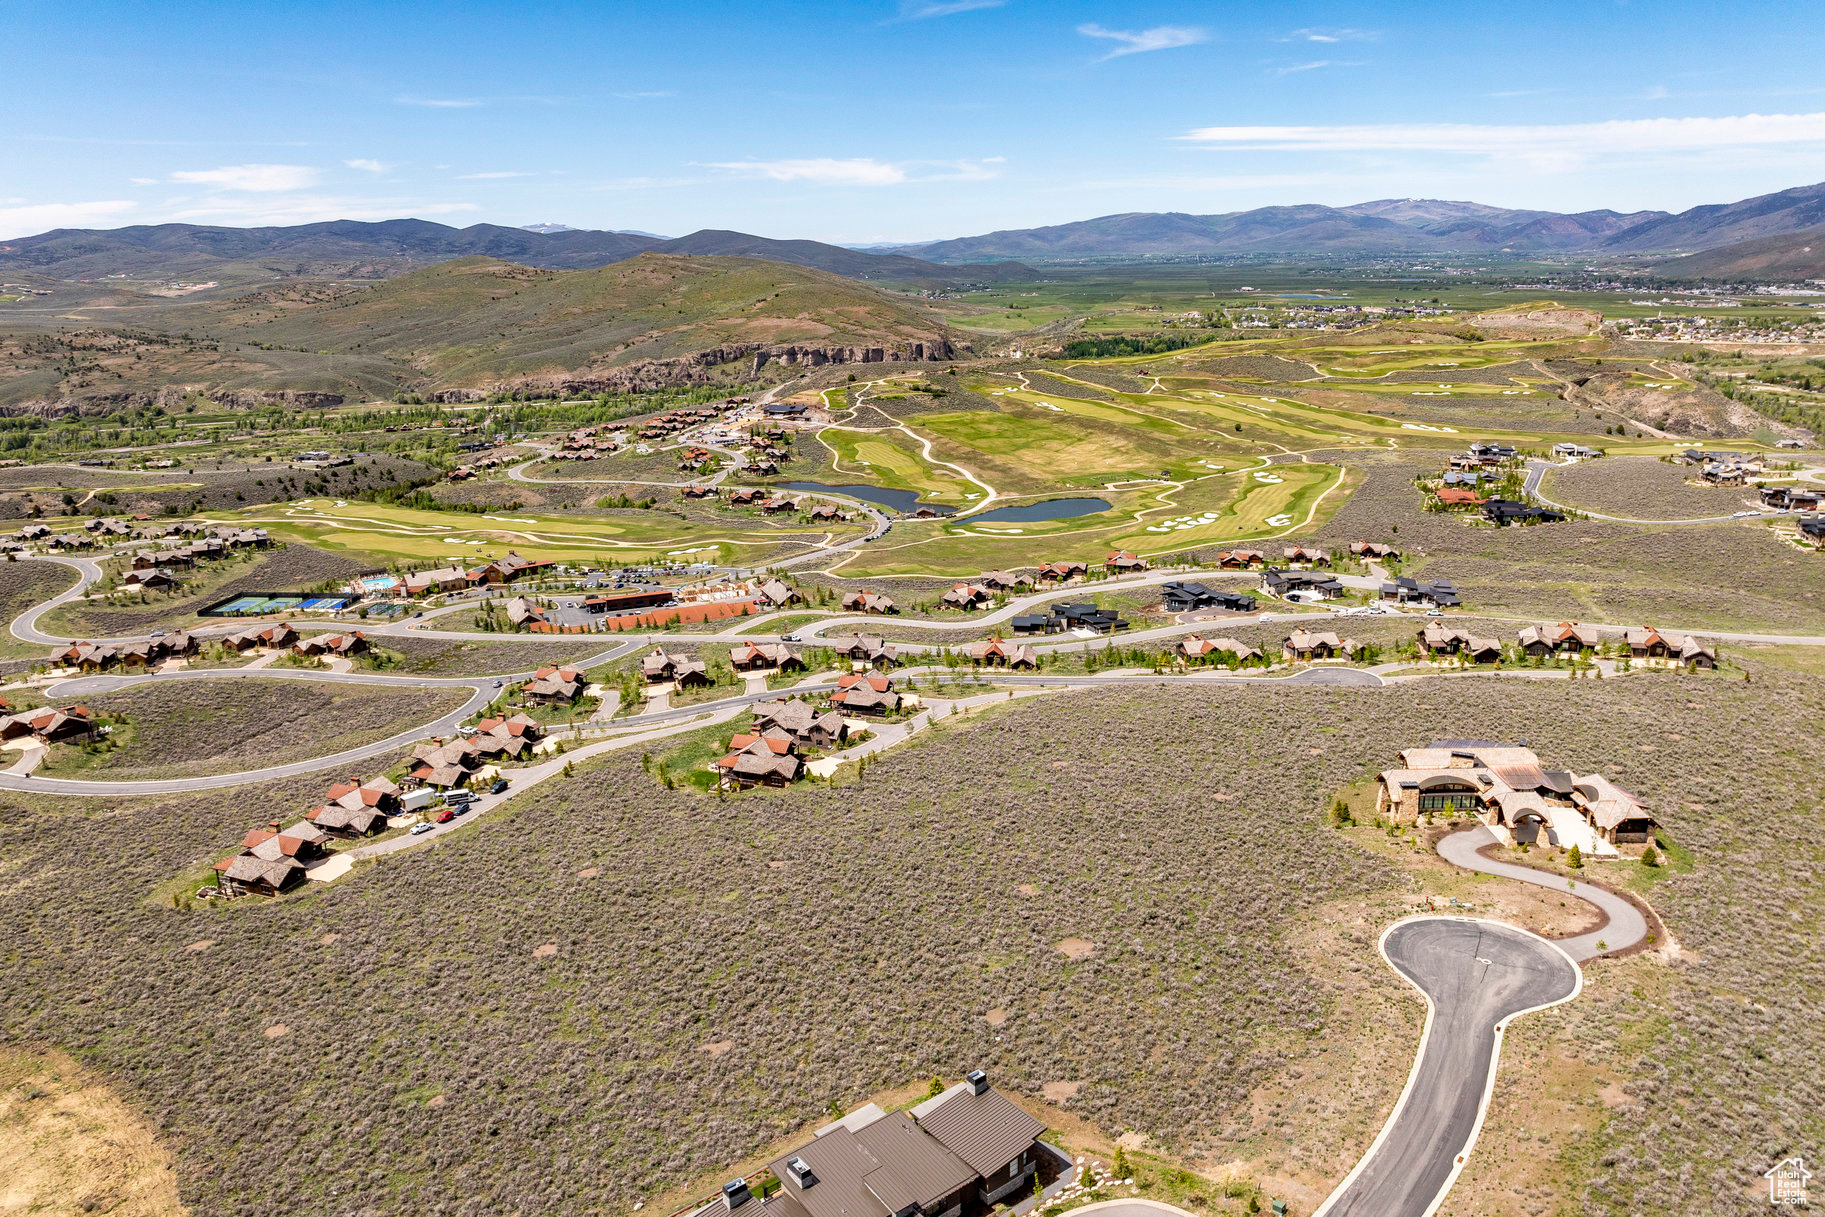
{"type": "Point", "coordinates": [1475, 976]}
{"type": "Point", "coordinates": [1625, 927]}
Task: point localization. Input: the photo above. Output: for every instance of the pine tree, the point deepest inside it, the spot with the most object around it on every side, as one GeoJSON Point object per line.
{"type": "Point", "coordinates": [1575, 859]}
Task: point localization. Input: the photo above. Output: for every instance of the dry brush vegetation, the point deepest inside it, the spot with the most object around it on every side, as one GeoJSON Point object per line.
{"type": "Point", "coordinates": [846, 939]}
{"type": "Point", "coordinates": [195, 727]}
{"type": "Point", "coordinates": [1721, 576]}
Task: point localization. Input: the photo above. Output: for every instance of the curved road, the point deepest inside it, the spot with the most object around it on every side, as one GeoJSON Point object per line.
{"type": "Point", "coordinates": [1475, 976]}
{"type": "Point", "coordinates": [25, 625]}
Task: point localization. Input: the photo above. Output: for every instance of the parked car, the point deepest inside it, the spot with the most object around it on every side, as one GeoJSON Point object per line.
{"type": "Point", "coordinates": [792, 637]}
{"type": "Point", "coordinates": [498, 786]}
{"type": "Point", "coordinates": [445, 816]}
{"type": "Point", "coordinates": [422, 827]}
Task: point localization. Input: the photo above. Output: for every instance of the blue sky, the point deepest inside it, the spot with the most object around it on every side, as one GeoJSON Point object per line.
{"type": "Point", "coordinates": [884, 120]}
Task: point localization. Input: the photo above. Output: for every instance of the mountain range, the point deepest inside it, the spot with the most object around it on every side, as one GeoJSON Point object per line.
{"type": "Point", "coordinates": [1392, 226]}
{"type": "Point", "coordinates": [362, 250]}
{"type": "Point", "coordinates": [350, 249]}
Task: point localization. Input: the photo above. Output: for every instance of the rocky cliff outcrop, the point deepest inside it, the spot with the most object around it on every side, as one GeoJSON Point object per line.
{"type": "Point", "coordinates": [170, 398]}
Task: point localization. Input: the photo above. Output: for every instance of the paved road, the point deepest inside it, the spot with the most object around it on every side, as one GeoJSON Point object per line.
{"type": "Point", "coordinates": [482, 691]}
{"type": "Point", "coordinates": [1475, 975]}
{"type": "Point", "coordinates": [1626, 925]}
{"type": "Point", "coordinates": [25, 625]}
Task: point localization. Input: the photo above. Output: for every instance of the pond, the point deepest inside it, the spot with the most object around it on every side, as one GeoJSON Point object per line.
{"type": "Point", "coordinates": [1051, 509]}
{"type": "Point", "coordinates": [899, 500]}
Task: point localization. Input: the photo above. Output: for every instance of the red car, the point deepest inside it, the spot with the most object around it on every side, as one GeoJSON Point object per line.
{"type": "Point", "coordinates": [445, 816]}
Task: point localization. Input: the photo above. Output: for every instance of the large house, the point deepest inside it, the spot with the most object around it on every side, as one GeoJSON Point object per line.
{"type": "Point", "coordinates": [554, 686]}
{"type": "Point", "coordinates": [865, 693]}
{"type": "Point", "coordinates": [965, 596]}
{"type": "Point", "coordinates": [1792, 498]}
{"type": "Point", "coordinates": [356, 809]}
{"type": "Point", "coordinates": [444, 764]}
{"type": "Point", "coordinates": [341, 646]}
{"type": "Point", "coordinates": [1061, 572]}
{"type": "Point", "coordinates": [1180, 596]}
{"type": "Point", "coordinates": [776, 593]}
{"type": "Point", "coordinates": [764, 656]}
{"type": "Point", "coordinates": [995, 653]}
{"type": "Point", "coordinates": [1122, 562]}
{"type": "Point", "coordinates": [660, 668]}
{"type": "Point", "coordinates": [1506, 788]}
{"type": "Point", "coordinates": [766, 759]}
{"type": "Point", "coordinates": [1241, 559]}
{"type": "Point", "coordinates": [271, 860]}
{"type": "Point", "coordinates": [958, 1154]}
{"type": "Point", "coordinates": [1304, 646]}
{"type": "Point", "coordinates": [867, 649]}
{"type": "Point", "coordinates": [1373, 550]}
{"type": "Point", "coordinates": [861, 601]}
{"type": "Point", "coordinates": [1304, 555]}
{"type": "Point", "coordinates": [1194, 646]}
{"type": "Point", "coordinates": [506, 736]}
{"type": "Point", "coordinates": [1566, 638]}
{"type": "Point", "coordinates": [1650, 645]}
{"type": "Point", "coordinates": [1004, 581]}
{"type": "Point", "coordinates": [1300, 585]}
{"type": "Point", "coordinates": [802, 721]}
{"type": "Point", "coordinates": [443, 579]}
{"type": "Point", "coordinates": [1436, 639]}
{"type": "Point", "coordinates": [1503, 512]}
{"type": "Point", "coordinates": [1440, 593]}
{"type": "Point", "coordinates": [269, 637]}
{"type": "Point", "coordinates": [70, 725]}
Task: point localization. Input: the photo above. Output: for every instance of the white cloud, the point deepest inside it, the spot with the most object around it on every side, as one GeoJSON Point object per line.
{"type": "Point", "coordinates": [365, 165]}
{"type": "Point", "coordinates": [38, 217]}
{"type": "Point", "coordinates": [1134, 42]}
{"type": "Point", "coordinates": [919, 10]}
{"type": "Point", "coordinates": [143, 181]}
{"type": "Point", "coordinates": [1328, 36]}
{"type": "Point", "coordinates": [488, 177]}
{"type": "Point", "coordinates": [1316, 64]}
{"type": "Point", "coordinates": [856, 171]}
{"type": "Point", "coordinates": [864, 171]}
{"type": "Point", "coordinates": [440, 103]}
{"type": "Point", "coordinates": [251, 177]}
{"type": "Point", "coordinates": [1551, 145]}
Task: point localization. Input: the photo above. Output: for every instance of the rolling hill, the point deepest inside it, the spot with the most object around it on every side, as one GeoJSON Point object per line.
{"type": "Point", "coordinates": [463, 328]}
{"type": "Point", "coordinates": [351, 249]}
{"type": "Point", "coordinates": [1789, 256]}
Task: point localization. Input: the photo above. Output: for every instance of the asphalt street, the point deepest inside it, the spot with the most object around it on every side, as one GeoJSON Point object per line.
{"type": "Point", "coordinates": [1476, 975]}
{"type": "Point", "coordinates": [25, 625]}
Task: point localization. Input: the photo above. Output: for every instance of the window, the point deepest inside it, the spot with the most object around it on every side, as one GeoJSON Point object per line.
{"type": "Point", "coordinates": [1447, 802]}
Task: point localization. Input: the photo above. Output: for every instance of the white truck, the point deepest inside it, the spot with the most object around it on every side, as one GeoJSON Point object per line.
{"type": "Point", "coordinates": [418, 799]}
